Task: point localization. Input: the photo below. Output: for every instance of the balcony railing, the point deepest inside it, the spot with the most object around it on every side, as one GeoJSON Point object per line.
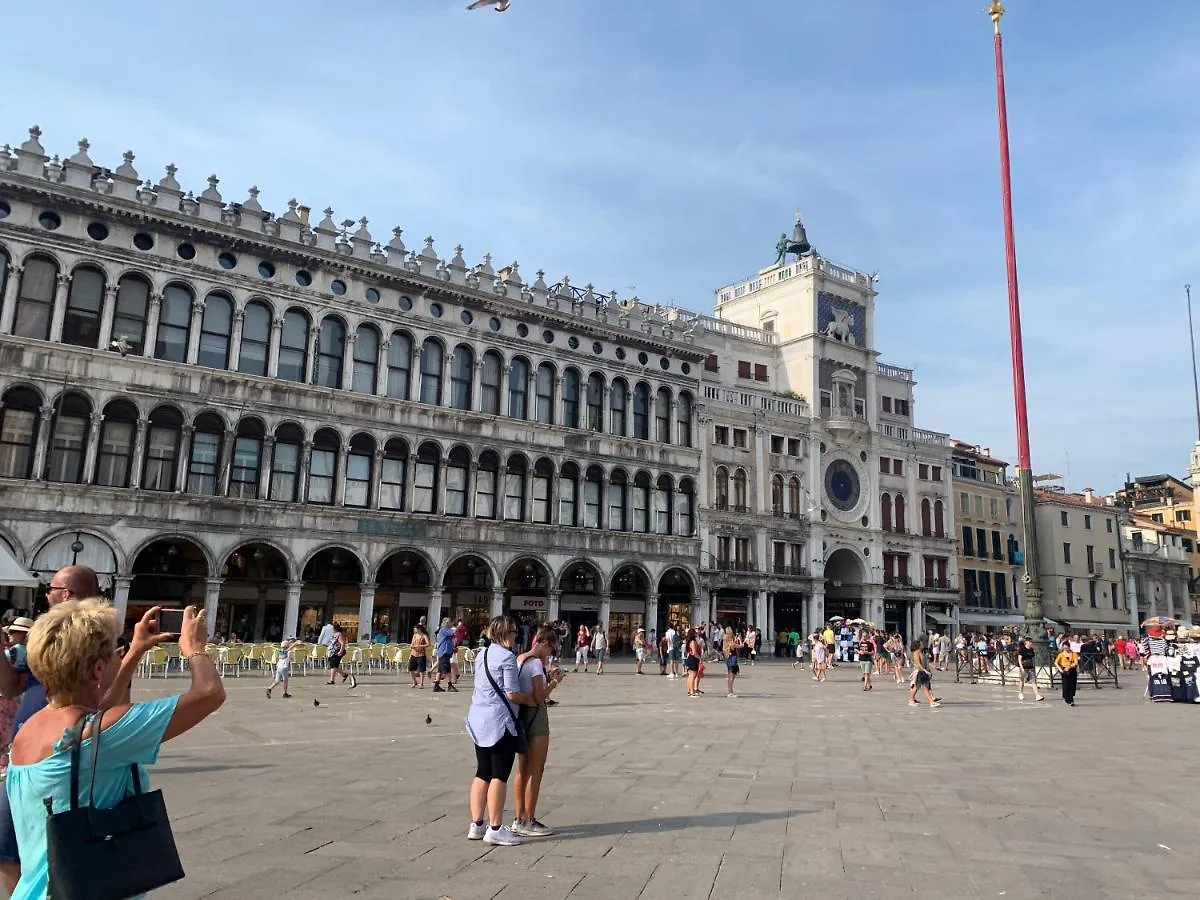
{"type": "Point", "coordinates": [897, 581]}
{"type": "Point", "coordinates": [733, 565]}
{"type": "Point", "coordinates": [790, 571]}
{"type": "Point", "coordinates": [1158, 551]}
{"type": "Point", "coordinates": [762, 401]}
{"type": "Point", "coordinates": [915, 435]}
{"type": "Point", "coordinates": [898, 372]}
{"type": "Point", "coordinates": [780, 514]}
{"type": "Point", "coordinates": [938, 584]}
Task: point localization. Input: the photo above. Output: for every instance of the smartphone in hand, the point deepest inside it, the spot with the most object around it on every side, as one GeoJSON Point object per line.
{"type": "Point", "coordinates": [170, 621]}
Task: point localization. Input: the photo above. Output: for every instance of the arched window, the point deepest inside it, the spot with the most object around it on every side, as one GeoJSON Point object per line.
{"type": "Point", "coordinates": [256, 339]}
{"type": "Point", "coordinates": [457, 469]}
{"type": "Point", "coordinates": [568, 495]}
{"type": "Point", "coordinates": [926, 517]}
{"type": "Point", "coordinates": [543, 475]}
{"type": "Point", "coordinates": [174, 324]}
{"type": "Point", "coordinates": [331, 353]}
{"type": "Point", "coordinates": [366, 359]}
{"type": "Point", "coordinates": [683, 419]}
{"type": "Point", "coordinates": [885, 512]}
{"type": "Point", "coordinates": [286, 462]}
{"type": "Point", "coordinates": [901, 525]}
{"type": "Point", "coordinates": [486, 476]}
{"type": "Point", "coordinates": [322, 462]}
{"type": "Point", "coordinates": [19, 416]}
{"type": "Point", "coordinates": [518, 388]}
{"type": "Point", "coordinates": [721, 487]}
{"type": "Point", "coordinates": [68, 443]}
{"type": "Point", "coordinates": [543, 389]}
{"type": "Point", "coordinates": [205, 461]}
{"type": "Point", "coordinates": [794, 497]}
{"type": "Point", "coordinates": [114, 462]}
{"type": "Point", "coordinates": [400, 350]}
{"type": "Point", "coordinates": [35, 299]}
{"type": "Point", "coordinates": [81, 324]}
{"type": "Point", "coordinates": [687, 508]}
{"type": "Point", "coordinates": [215, 328]}
{"type": "Point", "coordinates": [129, 318]}
{"type": "Point", "coordinates": [161, 468]}
{"type": "Point", "coordinates": [247, 459]}
{"type": "Point", "coordinates": [618, 404]}
{"type": "Point", "coordinates": [641, 411]}
{"type": "Point", "coordinates": [595, 402]}
{"type": "Point", "coordinates": [593, 496]}
{"type": "Point", "coordinates": [489, 383]}
{"type": "Point", "coordinates": [425, 476]}
{"type": "Point", "coordinates": [662, 416]}
{"type": "Point", "coordinates": [618, 490]}
{"type": "Point", "coordinates": [431, 372]}
{"type": "Point", "coordinates": [392, 476]}
{"type": "Point", "coordinates": [514, 489]}
{"type": "Point", "coordinates": [359, 462]}
{"type": "Point", "coordinates": [293, 346]}
{"type": "Point", "coordinates": [570, 398]}
{"type": "Point", "coordinates": [664, 505]}
{"type": "Point", "coordinates": [939, 519]}
{"type": "Point", "coordinates": [641, 503]}
{"type": "Point", "coordinates": [462, 368]}
{"type": "Point", "coordinates": [777, 495]}
{"type": "Point", "coordinates": [740, 502]}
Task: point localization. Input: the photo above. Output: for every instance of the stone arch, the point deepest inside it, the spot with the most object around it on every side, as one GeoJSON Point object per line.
{"type": "Point", "coordinates": [208, 555]}
{"type": "Point", "coordinates": [53, 551]}
{"type": "Point", "coordinates": [435, 574]}
{"type": "Point", "coordinates": [363, 566]}
{"type": "Point", "coordinates": [281, 549]}
{"type": "Point", "coordinates": [493, 574]}
{"type": "Point", "coordinates": [571, 568]}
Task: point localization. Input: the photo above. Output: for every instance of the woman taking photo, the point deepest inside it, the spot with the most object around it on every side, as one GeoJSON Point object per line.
{"type": "Point", "coordinates": [492, 724]}
{"type": "Point", "coordinates": [533, 670]}
{"type": "Point", "coordinates": [73, 652]}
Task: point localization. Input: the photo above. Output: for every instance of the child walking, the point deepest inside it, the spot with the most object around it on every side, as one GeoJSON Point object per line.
{"type": "Point", "coordinates": [283, 667]}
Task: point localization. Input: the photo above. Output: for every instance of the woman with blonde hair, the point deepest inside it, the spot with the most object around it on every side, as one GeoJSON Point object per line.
{"type": "Point", "coordinates": [536, 677]}
{"type": "Point", "coordinates": [492, 724]}
{"type": "Point", "coordinates": [73, 652]}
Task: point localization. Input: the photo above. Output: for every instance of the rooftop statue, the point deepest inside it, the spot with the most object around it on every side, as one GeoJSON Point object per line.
{"type": "Point", "coordinates": [797, 243]}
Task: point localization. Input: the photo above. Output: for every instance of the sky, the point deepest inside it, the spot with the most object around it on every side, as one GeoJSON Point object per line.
{"type": "Point", "coordinates": [659, 147]}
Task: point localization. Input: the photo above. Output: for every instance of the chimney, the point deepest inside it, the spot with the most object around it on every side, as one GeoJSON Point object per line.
{"type": "Point", "coordinates": [987, 451]}
{"type": "Point", "coordinates": [1088, 496]}
{"type": "Point", "coordinates": [303, 212]}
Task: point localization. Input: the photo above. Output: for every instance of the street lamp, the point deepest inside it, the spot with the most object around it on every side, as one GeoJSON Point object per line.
{"type": "Point", "coordinates": [1034, 622]}
{"type": "Point", "coordinates": [76, 548]}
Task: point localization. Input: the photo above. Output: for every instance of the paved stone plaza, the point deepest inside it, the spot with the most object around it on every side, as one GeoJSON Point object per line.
{"type": "Point", "coordinates": [794, 789]}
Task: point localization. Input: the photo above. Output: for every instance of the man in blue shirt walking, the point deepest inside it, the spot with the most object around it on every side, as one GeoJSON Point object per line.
{"type": "Point", "coordinates": [445, 653]}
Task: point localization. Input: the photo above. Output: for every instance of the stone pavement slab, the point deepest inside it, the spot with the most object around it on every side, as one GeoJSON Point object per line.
{"type": "Point", "coordinates": [793, 788]}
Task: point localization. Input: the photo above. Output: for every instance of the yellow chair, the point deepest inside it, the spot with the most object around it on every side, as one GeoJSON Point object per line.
{"type": "Point", "coordinates": [156, 658]}
{"type": "Point", "coordinates": [318, 656]}
{"type": "Point", "coordinates": [231, 659]}
{"type": "Point", "coordinates": [173, 656]}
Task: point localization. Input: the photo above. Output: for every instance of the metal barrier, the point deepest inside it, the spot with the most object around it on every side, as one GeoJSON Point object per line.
{"type": "Point", "coordinates": [1002, 667]}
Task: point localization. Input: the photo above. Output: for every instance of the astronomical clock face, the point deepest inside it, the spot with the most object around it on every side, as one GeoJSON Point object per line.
{"type": "Point", "coordinates": [842, 485]}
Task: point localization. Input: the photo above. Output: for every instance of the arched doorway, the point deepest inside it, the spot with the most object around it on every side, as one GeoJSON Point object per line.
{"type": "Point", "coordinates": [675, 593]}
{"type": "Point", "coordinates": [403, 584]}
{"type": "Point", "coordinates": [332, 587]}
{"type": "Point", "coordinates": [630, 589]}
{"type": "Point", "coordinates": [169, 572]}
{"type": "Point", "coordinates": [467, 591]}
{"type": "Point", "coordinates": [579, 598]}
{"type": "Point", "coordinates": [843, 585]}
{"type": "Point", "coordinates": [72, 548]}
{"type": "Point", "coordinates": [527, 590]}
{"type": "Point", "coordinates": [253, 594]}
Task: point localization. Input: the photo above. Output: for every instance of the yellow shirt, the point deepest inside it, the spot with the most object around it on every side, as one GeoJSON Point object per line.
{"type": "Point", "coordinates": [828, 636]}
{"type": "Point", "coordinates": [1067, 659]}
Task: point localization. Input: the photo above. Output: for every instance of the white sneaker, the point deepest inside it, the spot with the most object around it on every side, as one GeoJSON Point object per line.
{"type": "Point", "coordinates": [476, 832]}
{"type": "Point", "coordinates": [732, 695]}
{"type": "Point", "coordinates": [502, 837]}
{"type": "Point", "coordinates": [536, 829]}
{"type": "Point", "coordinates": [1020, 696]}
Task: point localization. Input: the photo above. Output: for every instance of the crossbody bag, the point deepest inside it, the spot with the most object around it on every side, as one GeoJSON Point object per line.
{"type": "Point", "coordinates": [522, 740]}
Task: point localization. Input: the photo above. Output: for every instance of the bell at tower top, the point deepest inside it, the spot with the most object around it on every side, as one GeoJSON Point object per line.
{"type": "Point", "coordinates": [798, 244]}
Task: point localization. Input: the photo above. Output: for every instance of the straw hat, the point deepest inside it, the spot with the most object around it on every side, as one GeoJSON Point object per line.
{"type": "Point", "coordinates": [21, 623]}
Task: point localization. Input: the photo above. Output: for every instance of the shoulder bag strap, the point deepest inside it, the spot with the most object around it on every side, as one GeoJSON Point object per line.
{"type": "Point", "coordinates": [499, 692]}
{"type": "Point", "coordinates": [80, 723]}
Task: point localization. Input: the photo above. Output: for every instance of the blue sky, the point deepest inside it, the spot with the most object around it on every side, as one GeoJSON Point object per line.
{"type": "Point", "coordinates": [664, 144]}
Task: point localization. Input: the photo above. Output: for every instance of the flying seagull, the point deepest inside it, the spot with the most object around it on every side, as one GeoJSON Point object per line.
{"type": "Point", "coordinates": [501, 5]}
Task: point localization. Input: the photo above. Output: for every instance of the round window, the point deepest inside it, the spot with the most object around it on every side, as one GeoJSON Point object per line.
{"type": "Point", "coordinates": [435, 310]}
{"type": "Point", "coordinates": [405, 303]}
{"type": "Point", "coordinates": [643, 358]}
{"type": "Point", "coordinates": [372, 295]}
{"type": "Point", "coordinates": [5, 209]}
{"type": "Point", "coordinates": [303, 277]}
{"type": "Point", "coordinates": [266, 269]}
{"type": "Point", "coordinates": [227, 261]}
{"type": "Point", "coordinates": [494, 323]}
{"type": "Point", "coordinates": [573, 342]}
{"type": "Point", "coordinates": [685, 368]}
{"type": "Point", "coordinates": [338, 286]}
{"type": "Point", "coordinates": [143, 241]}
{"type": "Point", "coordinates": [597, 347]}
{"type": "Point", "coordinates": [620, 351]}
{"type": "Point", "coordinates": [548, 336]}
{"type": "Point", "coordinates": [523, 330]}
{"type": "Point", "coordinates": [50, 221]}
{"type": "Point", "coordinates": [186, 251]}
{"type": "Point", "coordinates": [98, 231]}
{"type": "Point", "coordinates": [664, 363]}
{"type": "Point", "coordinates": [466, 317]}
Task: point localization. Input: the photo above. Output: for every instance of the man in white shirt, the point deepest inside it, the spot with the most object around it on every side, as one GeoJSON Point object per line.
{"type": "Point", "coordinates": [326, 637]}
{"type": "Point", "coordinates": [672, 637]}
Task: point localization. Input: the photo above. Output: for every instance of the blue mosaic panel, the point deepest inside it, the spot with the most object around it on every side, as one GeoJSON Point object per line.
{"type": "Point", "coordinates": [829, 306]}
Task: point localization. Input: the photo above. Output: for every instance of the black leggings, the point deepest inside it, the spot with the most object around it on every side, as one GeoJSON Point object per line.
{"type": "Point", "coordinates": [496, 762]}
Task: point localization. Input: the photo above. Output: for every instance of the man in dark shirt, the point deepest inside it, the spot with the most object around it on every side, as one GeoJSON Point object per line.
{"type": "Point", "coordinates": [866, 658]}
{"type": "Point", "coordinates": [1027, 666]}
{"type": "Point", "coordinates": [68, 583]}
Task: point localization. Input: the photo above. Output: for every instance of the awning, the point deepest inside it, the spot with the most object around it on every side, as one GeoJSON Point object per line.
{"type": "Point", "coordinates": [940, 618]}
{"type": "Point", "coordinates": [990, 619]}
{"type": "Point", "coordinates": [11, 573]}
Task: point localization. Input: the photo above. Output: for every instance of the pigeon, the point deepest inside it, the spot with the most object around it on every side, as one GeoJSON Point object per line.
{"type": "Point", "coordinates": [428, 719]}
{"type": "Point", "coordinates": [501, 5]}
{"type": "Point", "coordinates": [316, 702]}
{"type": "Point", "coordinates": [121, 345]}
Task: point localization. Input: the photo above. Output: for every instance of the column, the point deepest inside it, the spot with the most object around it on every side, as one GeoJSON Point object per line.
{"type": "Point", "coordinates": [93, 448]}
{"type": "Point", "coordinates": [697, 610]}
{"type": "Point", "coordinates": [497, 608]}
{"type": "Point", "coordinates": [264, 468]}
{"type": "Point", "coordinates": [9, 311]}
{"type": "Point", "coordinates": [1131, 597]}
{"type": "Point", "coordinates": [273, 351]}
{"type": "Point", "coordinates": [770, 635]}
{"type": "Point", "coordinates": [139, 454]}
{"type": "Point", "coordinates": [435, 611]}
{"type": "Point", "coordinates": [41, 451]}
{"type": "Point", "coordinates": [816, 608]}
{"type": "Point", "coordinates": [553, 599]}
{"type": "Point", "coordinates": [152, 318]}
{"type": "Point", "coordinates": [918, 619]}
{"type": "Point", "coordinates": [527, 481]}
{"type": "Point", "coordinates": [59, 311]}
{"type": "Point", "coordinates": [291, 609]}
{"type": "Point", "coordinates": [605, 419]}
{"type": "Point", "coordinates": [652, 614]}
{"type": "Point", "coordinates": [235, 339]}
{"type": "Point", "coordinates": [806, 626]}
{"type": "Point", "coordinates": [366, 611]}
{"type": "Point", "coordinates": [376, 478]}
{"type": "Point", "coordinates": [1169, 591]}
{"type": "Point", "coordinates": [672, 437]}
{"type": "Point", "coordinates": [106, 315]}
{"type": "Point", "coordinates": [339, 477]}
{"type": "Point", "coordinates": [477, 385]}
{"type": "Point", "coordinates": [712, 605]}
{"type": "Point", "coordinates": [181, 463]}
{"type": "Point", "coordinates": [605, 609]}
{"type": "Point", "coordinates": [225, 463]}
{"type": "Point", "coordinates": [120, 601]}
{"type": "Point", "coordinates": [260, 615]}
{"type": "Point", "coordinates": [310, 361]}
{"type": "Point", "coordinates": [381, 369]}
{"type": "Point", "coordinates": [472, 484]}
{"type": "Point", "coordinates": [194, 331]}
{"type": "Point", "coordinates": [760, 610]}
{"type": "Point", "coordinates": [305, 460]}
{"type": "Point", "coordinates": [444, 469]}
{"type": "Point", "coordinates": [212, 596]}
{"type": "Point", "coordinates": [348, 361]}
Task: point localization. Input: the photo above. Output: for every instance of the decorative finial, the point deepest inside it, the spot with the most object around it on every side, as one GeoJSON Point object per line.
{"type": "Point", "coordinates": [172, 169]}
{"type": "Point", "coordinates": [35, 132]}
{"type": "Point", "coordinates": [213, 181]}
{"type": "Point", "coordinates": [253, 192]}
{"type": "Point", "coordinates": [84, 145]}
{"type": "Point", "coordinates": [128, 157]}
{"type": "Point", "coordinates": [995, 11]}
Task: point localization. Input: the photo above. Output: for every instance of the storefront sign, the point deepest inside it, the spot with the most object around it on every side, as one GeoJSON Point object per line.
{"type": "Point", "coordinates": [391, 529]}
{"type": "Point", "coordinates": [528, 603]}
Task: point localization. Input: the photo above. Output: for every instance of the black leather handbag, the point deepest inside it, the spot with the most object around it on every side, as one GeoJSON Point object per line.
{"type": "Point", "coordinates": [110, 854]}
